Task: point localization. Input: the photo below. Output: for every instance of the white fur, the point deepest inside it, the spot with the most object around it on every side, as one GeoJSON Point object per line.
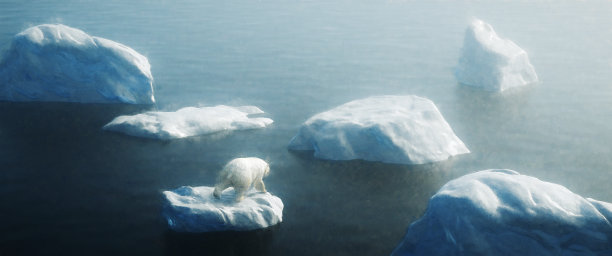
{"type": "Point", "coordinates": [242, 173]}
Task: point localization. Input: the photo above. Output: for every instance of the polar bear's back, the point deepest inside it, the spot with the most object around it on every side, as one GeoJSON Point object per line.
{"type": "Point", "coordinates": [247, 169]}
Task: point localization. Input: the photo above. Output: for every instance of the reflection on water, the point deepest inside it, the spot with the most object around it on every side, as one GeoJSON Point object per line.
{"type": "Point", "coordinates": [255, 242]}
{"type": "Point", "coordinates": [482, 106]}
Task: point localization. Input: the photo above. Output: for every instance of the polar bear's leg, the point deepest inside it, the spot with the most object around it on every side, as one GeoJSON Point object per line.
{"type": "Point", "coordinates": [259, 185]}
{"type": "Point", "coordinates": [222, 185]}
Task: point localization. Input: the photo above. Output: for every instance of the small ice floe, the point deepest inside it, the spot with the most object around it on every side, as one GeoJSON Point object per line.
{"type": "Point", "coordinates": [189, 121]}
{"type": "Point", "coordinates": [492, 63]}
{"type": "Point", "coordinates": [195, 209]}
{"type": "Point", "coordinates": [501, 212]}
{"type": "Point", "coordinates": [54, 62]}
{"type": "Point", "coordinates": [390, 129]}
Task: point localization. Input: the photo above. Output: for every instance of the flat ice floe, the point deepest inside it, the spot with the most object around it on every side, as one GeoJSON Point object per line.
{"type": "Point", "coordinates": [193, 209]}
{"type": "Point", "coordinates": [188, 121]}
{"type": "Point", "coordinates": [501, 212]}
{"type": "Point", "coordinates": [391, 129]}
{"type": "Point", "coordinates": [492, 63]}
{"type": "Point", "coordinates": [54, 62]}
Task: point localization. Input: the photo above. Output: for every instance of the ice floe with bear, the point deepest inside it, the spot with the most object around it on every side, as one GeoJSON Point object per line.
{"type": "Point", "coordinates": [392, 129]}
{"type": "Point", "coordinates": [188, 121]}
{"type": "Point", "coordinates": [501, 212]}
{"type": "Point", "coordinates": [230, 205]}
{"type": "Point", "coordinates": [54, 62]}
{"type": "Point", "coordinates": [492, 63]}
{"type": "Point", "coordinates": [195, 209]}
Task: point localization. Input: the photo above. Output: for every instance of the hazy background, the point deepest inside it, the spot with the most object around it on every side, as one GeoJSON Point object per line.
{"type": "Point", "coordinates": [66, 187]}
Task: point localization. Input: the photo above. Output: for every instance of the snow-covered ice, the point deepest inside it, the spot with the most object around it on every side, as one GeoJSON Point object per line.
{"type": "Point", "coordinates": [392, 129]}
{"type": "Point", "coordinates": [492, 63]}
{"type": "Point", "coordinates": [501, 212]}
{"type": "Point", "coordinates": [188, 121]}
{"type": "Point", "coordinates": [194, 209]}
{"type": "Point", "coordinates": [54, 62]}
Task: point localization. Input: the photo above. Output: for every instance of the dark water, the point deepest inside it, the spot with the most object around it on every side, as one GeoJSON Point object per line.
{"type": "Point", "coordinates": [69, 188]}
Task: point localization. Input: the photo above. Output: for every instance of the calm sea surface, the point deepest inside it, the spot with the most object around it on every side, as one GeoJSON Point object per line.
{"type": "Point", "coordinates": [69, 188]}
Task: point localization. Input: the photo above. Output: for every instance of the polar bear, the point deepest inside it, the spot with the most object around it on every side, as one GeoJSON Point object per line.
{"type": "Point", "coordinates": [242, 173]}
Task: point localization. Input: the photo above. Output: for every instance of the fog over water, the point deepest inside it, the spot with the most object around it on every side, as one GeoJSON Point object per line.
{"type": "Point", "coordinates": [68, 187]}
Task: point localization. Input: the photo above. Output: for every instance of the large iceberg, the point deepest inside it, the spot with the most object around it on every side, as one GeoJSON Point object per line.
{"type": "Point", "coordinates": [492, 63]}
{"type": "Point", "coordinates": [54, 62]}
{"type": "Point", "coordinates": [391, 129]}
{"type": "Point", "coordinates": [188, 121]}
{"type": "Point", "coordinates": [501, 212]}
{"type": "Point", "coordinates": [194, 209]}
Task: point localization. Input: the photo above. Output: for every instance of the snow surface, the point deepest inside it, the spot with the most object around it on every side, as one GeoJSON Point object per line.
{"type": "Point", "coordinates": [193, 209]}
{"type": "Point", "coordinates": [189, 121]}
{"type": "Point", "coordinates": [492, 63]}
{"type": "Point", "coordinates": [501, 212]}
{"type": "Point", "coordinates": [391, 129]}
{"type": "Point", "coordinates": [54, 62]}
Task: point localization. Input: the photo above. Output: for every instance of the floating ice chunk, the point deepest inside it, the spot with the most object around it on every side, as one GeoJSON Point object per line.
{"type": "Point", "coordinates": [492, 63]}
{"type": "Point", "coordinates": [54, 62]}
{"type": "Point", "coordinates": [189, 121]}
{"type": "Point", "coordinates": [194, 209]}
{"type": "Point", "coordinates": [391, 129]}
{"type": "Point", "coordinates": [501, 212]}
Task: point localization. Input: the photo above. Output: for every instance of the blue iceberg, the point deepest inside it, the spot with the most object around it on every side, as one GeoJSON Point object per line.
{"type": "Point", "coordinates": [54, 62]}
{"type": "Point", "coordinates": [501, 212]}
{"type": "Point", "coordinates": [194, 209]}
{"type": "Point", "coordinates": [391, 129]}
{"type": "Point", "coordinates": [492, 63]}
